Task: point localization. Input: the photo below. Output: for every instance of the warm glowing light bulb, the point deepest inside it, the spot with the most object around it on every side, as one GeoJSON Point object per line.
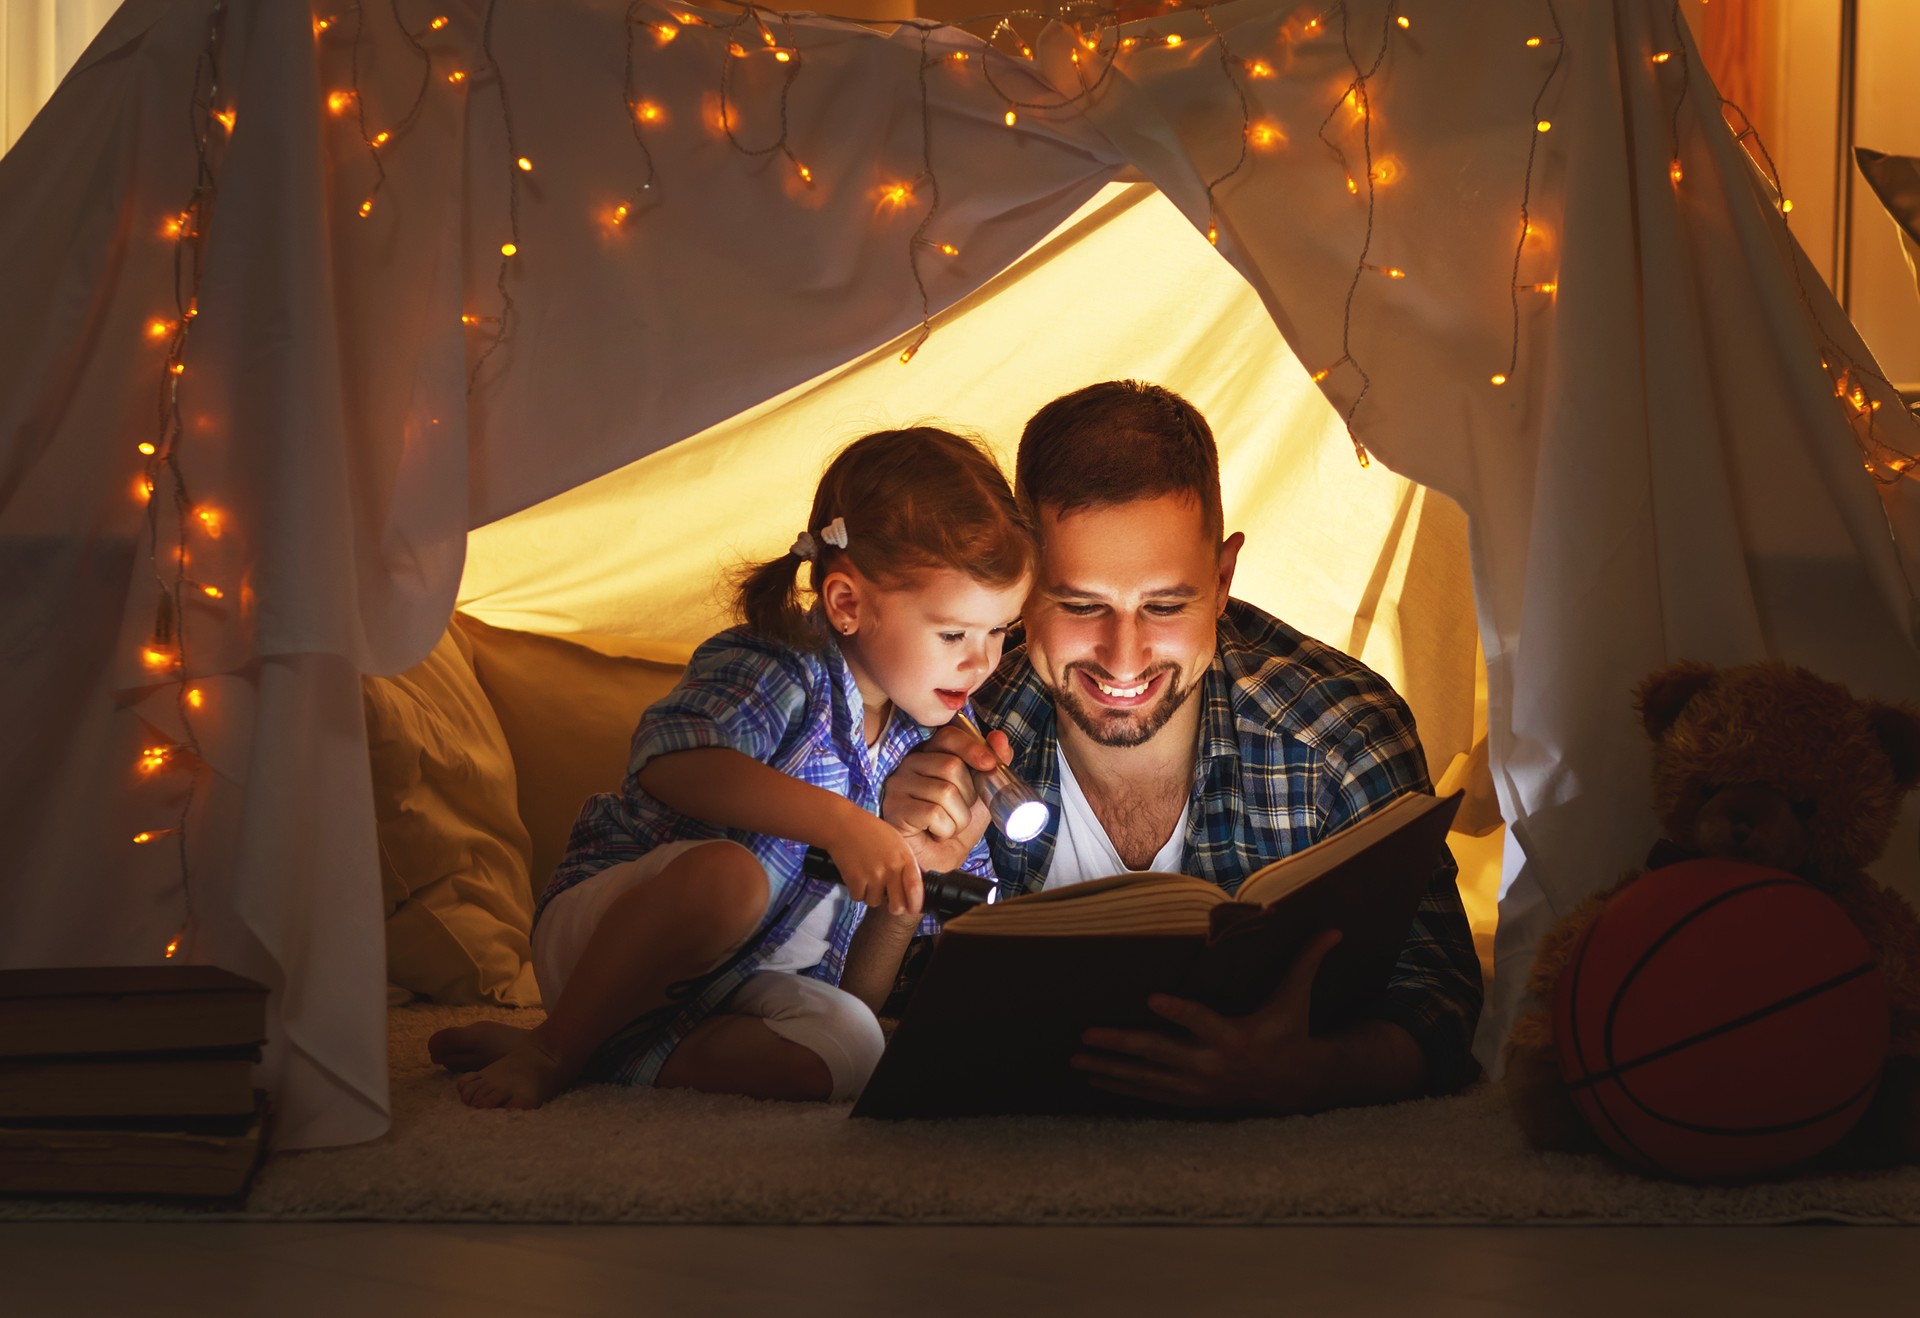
{"type": "Point", "coordinates": [339, 102]}
{"type": "Point", "coordinates": [1265, 135]}
{"type": "Point", "coordinates": [620, 213]}
{"type": "Point", "coordinates": [1259, 68]}
{"type": "Point", "coordinates": [806, 175]}
{"type": "Point", "coordinates": [1321, 374]}
{"type": "Point", "coordinates": [948, 249]}
{"type": "Point", "coordinates": [907, 356]}
{"type": "Point", "coordinates": [895, 195]}
{"type": "Point", "coordinates": [366, 208]}
{"type": "Point", "coordinates": [1395, 272]}
{"type": "Point", "coordinates": [1543, 125]}
{"type": "Point", "coordinates": [736, 50]}
{"type": "Point", "coordinates": [321, 25]}
{"type": "Point", "coordinates": [958, 57]}
{"type": "Point", "coordinates": [1213, 233]}
{"type": "Point", "coordinates": [468, 318]}
{"type": "Point", "coordinates": [437, 24]}
{"type": "Point", "coordinates": [1499, 379]}
{"type": "Point", "coordinates": [154, 758]}
{"type": "Point", "coordinates": [145, 836]}
{"type": "Point", "coordinates": [211, 521]}
{"type": "Point", "coordinates": [1674, 172]}
{"type": "Point", "coordinates": [665, 32]}
{"type": "Point", "coordinates": [526, 166]}
{"type": "Point", "coordinates": [509, 249]}
{"type": "Point", "coordinates": [458, 75]}
{"type": "Point", "coordinates": [178, 368]}
{"type": "Point", "coordinates": [213, 592]}
{"type": "Point", "coordinates": [1011, 117]}
{"type": "Point", "coordinates": [196, 698]}
{"type": "Point", "coordinates": [159, 329]}
{"type": "Point", "coordinates": [1404, 21]}
{"type": "Point", "coordinates": [782, 56]}
{"type": "Point", "coordinates": [147, 449]}
{"type": "Point", "coordinates": [1662, 56]}
{"type": "Point", "coordinates": [158, 657]}
{"type": "Point", "coordinates": [1313, 25]}
{"type": "Point", "coordinates": [1174, 40]}
{"type": "Point", "coordinates": [1533, 41]}
{"type": "Point", "coordinates": [142, 489]}
{"type": "Point", "coordinates": [1786, 207]}
{"type": "Point", "coordinates": [381, 138]}
{"type": "Point", "coordinates": [173, 945]}
{"type": "Point", "coordinates": [1352, 186]}
{"type": "Point", "coordinates": [648, 113]}
{"type": "Point", "coordinates": [226, 118]}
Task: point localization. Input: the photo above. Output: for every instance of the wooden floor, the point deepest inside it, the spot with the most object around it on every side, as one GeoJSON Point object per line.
{"type": "Point", "coordinates": [372, 1270]}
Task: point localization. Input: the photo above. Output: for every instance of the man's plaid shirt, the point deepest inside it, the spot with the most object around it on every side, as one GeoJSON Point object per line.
{"type": "Point", "coordinates": [1297, 740]}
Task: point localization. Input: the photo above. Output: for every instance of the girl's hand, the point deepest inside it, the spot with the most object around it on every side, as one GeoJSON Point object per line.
{"type": "Point", "coordinates": [876, 864]}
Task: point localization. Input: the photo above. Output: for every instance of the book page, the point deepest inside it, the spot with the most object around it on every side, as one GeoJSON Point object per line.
{"type": "Point", "coordinates": [1125, 903]}
{"type": "Point", "coordinates": [1293, 872]}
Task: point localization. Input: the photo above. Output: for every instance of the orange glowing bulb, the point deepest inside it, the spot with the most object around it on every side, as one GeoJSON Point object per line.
{"type": "Point", "coordinates": [1265, 136]}
{"type": "Point", "coordinates": [1174, 40]}
{"type": "Point", "coordinates": [948, 249]}
{"type": "Point", "coordinates": [173, 945]}
{"type": "Point", "coordinates": [159, 329]}
{"type": "Point", "coordinates": [1543, 125]}
{"type": "Point", "coordinates": [1404, 21]}
{"type": "Point", "coordinates": [458, 75]}
{"type": "Point", "coordinates": [178, 368]}
{"type": "Point", "coordinates": [806, 175]}
{"type": "Point", "coordinates": [226, 118]}
{"type": "Point", "coordinates": [147, 449]}
{"type": "Point", "coordinates": [1662, 56]}
{"type": "Point", "coordinates": [736, 50]}
{"type": "Point", "coordinates": [151, 835]}
{"type": "Point", "coordinates": [366, 208]}
{"type": "Point", "coordinates": [1352, 186]}
{"type": "Point", "coordinates": [213, 592]}
{"type": "Point", "coordinates": [1011, 118]}
{"type": "Point", "coordinates": [1259, 68]}
{"type": "Point", "coordinates": [1533, 41]}
{"type": "Point", "coordinates": [665, 32]}
{"type": "Point", "coordinates": [467, 318]}
{"type": "Point", "coordinates": [958, 57]}
{"type": "Point", "coordinates": [437, 24]}
{"type": "Point", "coordinates": [196, 698]}
{"type": "Point", "coordinates": [339, 102]}
{"type": "Point", "coordinates": [620, 213]}
{"type": "Point", "coordinates": [1499, 379]}
{"type": "Point", "coordinates": [142, 489]}
{"type": "Point", "coordinates": [321, 25]}
{"type": "Point", "coordinates": [380, 139]}
{"type": "Point", "coordinates": [526, 166]}
{"type": "Point", "coordinates": [648, 113]}
{"type": "Point", "coordinates": [1322, 374]}
{"type": "Point", "coordinates": [782, 56]}
{"type": "Point", "coordinates": [158, 657]}
{"type": "Point", "coordinates": [212, 521]}
{"type": "Point", "coordinates": [1786, 207]}
{"type": "Point", "coordinates": [509, 249]}
{"type": "Point", "coordinates": [1395, 272]}
{"type": "Point", "coordinates": [1675, 173]}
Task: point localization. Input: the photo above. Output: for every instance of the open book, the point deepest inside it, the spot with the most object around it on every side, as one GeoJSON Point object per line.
{"type": "Point", "coordinates": [1009, 988]}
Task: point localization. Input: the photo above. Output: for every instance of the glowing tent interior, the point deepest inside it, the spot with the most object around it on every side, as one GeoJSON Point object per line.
{"type": "Point", "coordinates": [320, 325]}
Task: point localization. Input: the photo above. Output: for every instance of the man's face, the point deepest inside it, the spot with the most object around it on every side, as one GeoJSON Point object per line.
{"type": "Point", "coordinates": [1120, 626]}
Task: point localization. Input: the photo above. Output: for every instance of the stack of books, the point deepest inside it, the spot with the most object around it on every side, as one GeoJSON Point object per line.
{"type": "Point", "coordinates": [130, 1080]}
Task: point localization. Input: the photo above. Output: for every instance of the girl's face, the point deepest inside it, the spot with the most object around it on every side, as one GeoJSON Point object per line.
{"type": "Point", "coordinates": [926, 646]}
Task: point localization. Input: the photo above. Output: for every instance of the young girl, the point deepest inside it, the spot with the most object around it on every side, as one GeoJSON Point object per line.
{"type": "Point", "coordinates": [681, 943]}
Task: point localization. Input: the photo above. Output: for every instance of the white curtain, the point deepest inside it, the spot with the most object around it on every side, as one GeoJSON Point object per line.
{"type": "Point", "coordinates": [39, 41]}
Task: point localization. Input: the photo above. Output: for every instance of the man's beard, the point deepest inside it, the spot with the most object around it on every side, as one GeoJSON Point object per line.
{"type": "Point", "coordinates": [1129, 727]}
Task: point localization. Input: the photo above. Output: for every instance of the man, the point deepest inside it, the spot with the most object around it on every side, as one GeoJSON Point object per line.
{"type": "Point", "coordinates": [1172, 727]}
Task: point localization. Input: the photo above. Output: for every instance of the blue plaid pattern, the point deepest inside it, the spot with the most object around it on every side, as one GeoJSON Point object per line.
{"type": "Point", "coordinates": [1297, 740]}
{"type": "Point", "coordinates": [799, 712]}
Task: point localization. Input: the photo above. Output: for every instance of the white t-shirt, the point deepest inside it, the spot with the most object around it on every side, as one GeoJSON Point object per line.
{"type": "Point", "coordinates": [1083, 851]}
{"type": "Point", "coordinates": [808, 942]}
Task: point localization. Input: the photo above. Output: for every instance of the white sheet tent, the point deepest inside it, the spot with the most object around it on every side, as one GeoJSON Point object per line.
{"type": "Point", "coordinates": [1667, 472]}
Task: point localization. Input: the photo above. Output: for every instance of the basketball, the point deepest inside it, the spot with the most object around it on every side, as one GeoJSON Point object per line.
{"type": "Point", "coordinates": [1721, 1021]}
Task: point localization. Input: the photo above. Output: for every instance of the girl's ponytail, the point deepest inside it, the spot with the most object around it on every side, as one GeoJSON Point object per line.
{"type": "Point", "coordinates": [767, 597]}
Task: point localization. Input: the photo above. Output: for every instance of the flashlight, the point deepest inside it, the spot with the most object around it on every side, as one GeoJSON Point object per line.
{"type": "Point", "coordinates": [1016, 808]}
{"type": "Point", "coordinates": [945, 893]}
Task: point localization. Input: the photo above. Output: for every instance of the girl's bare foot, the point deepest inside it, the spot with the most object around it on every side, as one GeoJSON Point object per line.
{"type": "Point", "coordinates": [525, 1076]}
{"type": "Point", "coordinates": [470, 1047]}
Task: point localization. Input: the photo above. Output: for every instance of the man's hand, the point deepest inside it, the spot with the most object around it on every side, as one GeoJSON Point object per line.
{"type": "Point", "coordinates": [930, 797]}
{"type": "Point", "coordinates": [1264, 1061]}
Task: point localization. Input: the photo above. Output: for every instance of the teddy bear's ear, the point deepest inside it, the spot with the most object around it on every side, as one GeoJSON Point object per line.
{"type": "Point", "coordinates": [1666, 692]}
{"type": "Point", "coordinates": [1898, 728]}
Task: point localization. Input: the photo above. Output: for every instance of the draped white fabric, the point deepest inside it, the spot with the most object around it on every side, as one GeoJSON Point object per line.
{"type": "Point", "coordinates": [39, 41]}
{"type": "Point", "coordinates": [1666, 474]}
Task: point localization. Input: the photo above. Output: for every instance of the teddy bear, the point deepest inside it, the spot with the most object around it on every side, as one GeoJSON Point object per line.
{"type": "Point", "coordinates": [1769, 764]}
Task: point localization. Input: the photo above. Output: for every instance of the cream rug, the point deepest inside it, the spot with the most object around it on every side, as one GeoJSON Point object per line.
{"type": "Point", "coordinates": [603, 1154]}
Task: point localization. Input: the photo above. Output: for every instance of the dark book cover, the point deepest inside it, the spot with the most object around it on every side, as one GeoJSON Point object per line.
{"type": "Point", "coordinates": [76, 1011]}
{"type": "Point", "coordinates": [995, 1017]}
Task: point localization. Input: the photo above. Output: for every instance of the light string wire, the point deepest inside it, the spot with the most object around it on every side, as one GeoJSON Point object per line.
{"type": "Point", "coordinates": [168, 647]}
{"type": "Point", "coordinates": [1357, 92]}
{"type": "Point", "coordinates": [635, 105]}
{"type": "Point", "coordinates": [510, 248]}
{"type": "Point", "coordinates": [1559, 43]}
{"type": "Point", "coordinates": [927, 176]}
{"type": "Point", "coordinates": [375, 142]}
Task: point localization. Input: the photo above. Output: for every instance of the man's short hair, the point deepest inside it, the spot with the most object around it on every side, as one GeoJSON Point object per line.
{"type": "Point", "coordinates": [1116, 442]}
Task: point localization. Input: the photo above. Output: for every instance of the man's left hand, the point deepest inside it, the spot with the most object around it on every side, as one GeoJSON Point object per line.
{"type": "Point", "coordinates": [1264, 1061]}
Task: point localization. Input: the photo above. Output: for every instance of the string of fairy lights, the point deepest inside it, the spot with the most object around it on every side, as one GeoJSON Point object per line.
{"type": "Point", "coordinates": [1091, 39]}
{"type": "Point", "coordinates": [163, 654]}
